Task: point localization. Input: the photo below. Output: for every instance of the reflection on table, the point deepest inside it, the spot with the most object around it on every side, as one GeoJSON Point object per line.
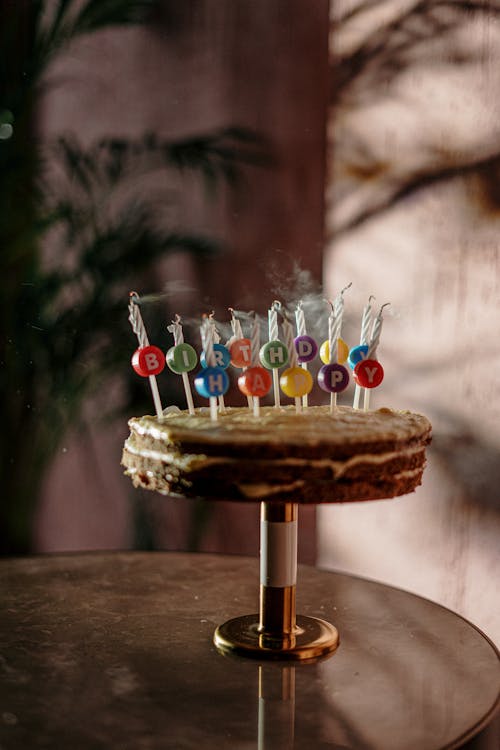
{"type": "Point", "coordinates": [115, 651]}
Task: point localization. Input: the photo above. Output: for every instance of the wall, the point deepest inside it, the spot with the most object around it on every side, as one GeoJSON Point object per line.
{"type": "Point", "coordinates": [206, 64]}
{"type": "Point", "coordinates": [414, 217]}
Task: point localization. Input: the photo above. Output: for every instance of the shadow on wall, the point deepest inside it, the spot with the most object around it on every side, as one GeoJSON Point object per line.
{"type": "Point", "coordinates": [413, 217]}
{"type": "Point", "coordinates": [120, 209]}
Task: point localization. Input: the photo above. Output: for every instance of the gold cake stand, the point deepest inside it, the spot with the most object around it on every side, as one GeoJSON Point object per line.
{"type": "Point", "coordinates": [277, 632]}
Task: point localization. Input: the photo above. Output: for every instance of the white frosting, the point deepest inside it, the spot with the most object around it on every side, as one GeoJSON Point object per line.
{"type": "Point", "coordinates": [312, 427]}
{"type": "Point", "coordinates": [189, 461]}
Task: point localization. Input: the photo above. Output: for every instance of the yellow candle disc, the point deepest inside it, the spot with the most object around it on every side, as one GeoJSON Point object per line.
{"type": "Point", "coordinates": [342, 352]}
{"type": "Point", "coordinates": [296, 382]}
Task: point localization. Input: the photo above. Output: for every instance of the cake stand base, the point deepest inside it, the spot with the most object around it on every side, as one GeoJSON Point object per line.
{"type": "Point", "coordinates": [312, 638]}
{"type": "Point", "coordinates": [277, 632]}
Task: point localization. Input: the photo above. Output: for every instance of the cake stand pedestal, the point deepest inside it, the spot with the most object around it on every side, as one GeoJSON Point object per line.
{"type": "Point", "coordinates": [277, 632]}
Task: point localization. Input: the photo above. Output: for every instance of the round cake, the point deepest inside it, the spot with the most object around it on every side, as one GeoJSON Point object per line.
{"type": "Point", "coordinates": [311, 457]}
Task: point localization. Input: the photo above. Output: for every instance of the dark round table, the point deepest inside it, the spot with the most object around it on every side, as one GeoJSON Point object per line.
{"type": "Point", "coordinates": [115, 650]}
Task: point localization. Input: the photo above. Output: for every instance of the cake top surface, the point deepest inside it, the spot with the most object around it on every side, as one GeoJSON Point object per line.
{"type": "Point", "coordinates": [346, 428]}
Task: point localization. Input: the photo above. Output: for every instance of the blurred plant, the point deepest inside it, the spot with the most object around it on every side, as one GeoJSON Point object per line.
{"type": "Point", "coordinates": [375, 44]}
{"type": "Point", "coordinates": [73, 242]}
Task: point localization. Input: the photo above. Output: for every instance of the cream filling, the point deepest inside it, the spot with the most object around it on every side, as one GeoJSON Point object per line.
{"type": "Point", "coordinates": [187, 461]}
{"type": "Point", "coordinates": [259, 491]}
{"type": "Point", "coordinates": [262, 490]}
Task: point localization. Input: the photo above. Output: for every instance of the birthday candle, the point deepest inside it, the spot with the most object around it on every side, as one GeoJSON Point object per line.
{"type": "Point", "coordinates": [334, 329]}
{"type": "Point", "coordinates": [240, 349]}
{"type": "Point", "coordinates": [369, 372]}
{"type": "Point", "coordinates": [334, 322]}
{"type": "Point", "coordinates": [376, 331]}
{"type": "Point", "coordinates": [288, 336]}
{"type": "Point", "coordinates": [182, 358]}
{"type": "Point", "coordinates": [333, 376]}
{"type": "Point", "coordinates": [292, 353]}
{"type": "Point", "coordinates": [254, 354]}
{"type": "Point", "coordinates": [295, 381]}
{"type": "Point", "coordinates": [148, 361]}
{"type": "Point", "coordinates": [363, 340]}
{"type": "Point", "coordinates": [255, 381]}
{"type": "Point", "coordinates": [273, 336]}
{"type": "Point", "coordinates": [366, 321]}
{"type": "Point", "coordinates": [235, 325]}
{"type": "Point", "coordinates": [255, 341]}
{"type": "Point", "coordinates": [300, 320]}
{"type": "Point", "coordinates": [305, 346]}
{"type": "Point", "coordinates": [216, 340]}
{"type": "Point", "coordinates": [206, 383]}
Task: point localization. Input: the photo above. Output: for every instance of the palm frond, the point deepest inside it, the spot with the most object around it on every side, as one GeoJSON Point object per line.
{"type": "Point", "coordinates": [59, 24]}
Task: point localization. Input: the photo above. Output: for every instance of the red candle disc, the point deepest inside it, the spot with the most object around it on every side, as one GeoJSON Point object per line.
{"type": "Point", "coordinates": [148, 360]}
{"type": "Point", "coordinates": [368, 373]}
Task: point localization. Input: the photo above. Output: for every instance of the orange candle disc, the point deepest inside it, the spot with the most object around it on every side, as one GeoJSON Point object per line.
{"type": "Point", "coordinates": [241, 353]}
{"type": "Point", "coordinates": [256, 381]}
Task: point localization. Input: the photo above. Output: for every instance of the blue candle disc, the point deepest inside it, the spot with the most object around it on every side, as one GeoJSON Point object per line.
{"type": "Point", "coordinates": [356, 354]}
{"type": "Point", "coordinates": [222, 357]}
{"type": "Point", "coordinates": [212, 381]}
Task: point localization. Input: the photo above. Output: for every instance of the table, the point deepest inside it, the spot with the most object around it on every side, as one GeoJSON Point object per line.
{"type": "Point", "coordinates": [115, 650]}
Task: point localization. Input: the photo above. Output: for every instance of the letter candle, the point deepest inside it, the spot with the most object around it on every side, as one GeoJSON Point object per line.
{"type": "Point", "coordinates": [369, 372]}
{"type": "Point", "coordinates": [212, 381]}
{"type": "Point", "coordinates": [235, 327]}
{"type": "Point", "coordinates": [295, 381]}
{"type": "Point", "coordinates": [333, 331]}
{"type": "Point", "coordinates": [240, 349]}
{"type": "Point", "coordinates": [305, 346]}
{"type": "Point", "coordinates": [216, 340]}
{"type": "Point", "coordinates": [255, 381]}
{"type": "Point", "coordinates": [273, 338]}
{"type": "Point", "coordinates": [255, 348]}
{"type": "Point", "coordinates": [181, 359]}
{"type": "Point", "coordinates": [333, 377]}
{"type": "Point", "coordinates": [334, 326]}
{"type": "Point", "coordinates": [287, 377]}
{"type": "Point", "coordinates": [147, 361]}
{"type": "Point", "coordinates": [363, 341]}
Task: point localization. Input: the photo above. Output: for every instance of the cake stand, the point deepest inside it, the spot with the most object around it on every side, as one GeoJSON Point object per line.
{"type": "Point", "coordinates": [171, 458]}
{"type": "Point", "coordinates": [277, 632]}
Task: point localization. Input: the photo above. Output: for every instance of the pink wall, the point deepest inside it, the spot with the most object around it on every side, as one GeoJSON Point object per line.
{"type": "Point", "coordinates": [209, 64]}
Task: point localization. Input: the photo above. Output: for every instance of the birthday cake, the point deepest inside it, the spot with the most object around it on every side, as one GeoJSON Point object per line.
{"type": "Point", "coordinates": [314, 456]}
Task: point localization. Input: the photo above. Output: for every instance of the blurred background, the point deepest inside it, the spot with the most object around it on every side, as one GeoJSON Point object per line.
{"type": "Point", "coordinates": [214, 153]}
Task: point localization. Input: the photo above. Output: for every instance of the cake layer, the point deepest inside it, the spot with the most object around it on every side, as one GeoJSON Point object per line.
{"type": "Point", "coordinates": [309, 457]}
